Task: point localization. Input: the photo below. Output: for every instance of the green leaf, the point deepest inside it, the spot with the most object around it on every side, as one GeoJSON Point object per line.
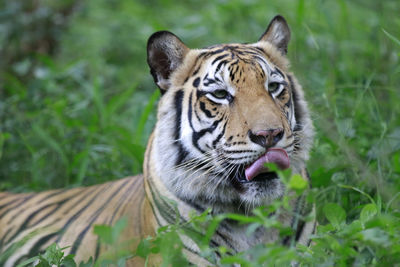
{"type": "Point", "coordinates": [377, 236]}
{"type": "Point", "coordinates": [357, 190]}
{"type": "Point", "coordinates": [321, 229]}
{"type": "Point", "coordinates": [110, 234]}
{"type": "Point", "coordinates": [298, 183]}
{"type": "Point", "coordinates": [28, 261]}
{"type": "Point", "coordinates": [119, 100]}
{"type": "Point", "coordinates": [235, 259]}
{"type": "Point", "coordinates": [145, 115]}
{"type": "Point", "coordinates": [368, 212]}
{"type": "Point", "coordinates": [144, 247]}
{"type": "Point", "coordinates": [48, 139]}
{"type": "Point", "coordinates": [104, 232]}
{"type": "Point", "coordinates": [3, 138]}
{"type": "Point", "coordinates": [68, 261]}
{"type": "Point", "coordinates": [42, 263]}
{"type": "Point", "coordinates": [89, 263]}
{"type": "Point", "coordinates": [242, 218]}
{"type": "Point", "coordinates": [53, 255]}
{"type": "Point", "coordinates": [335, 214]}
{"type": "Point", "coordinates": [171, 249]}
{"type": "Point", "coordinates": [345, 127]}
{"type": "Point", "coordinates": [353, 228]}
{"type": "Point", "coordinates": [118, 227]}
{"type": "Point", "coordinates": [338, 177]}
{"type": "Point", "coordinates": [395, 162]}
{"type": "Point", "coordinates": [391, 37]}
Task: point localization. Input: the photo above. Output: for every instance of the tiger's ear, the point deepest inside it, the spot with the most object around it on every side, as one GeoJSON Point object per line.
{"type": "Point", "coordinates": [165, 52]}
{"type": "Point", "coordinates": [278, 34]}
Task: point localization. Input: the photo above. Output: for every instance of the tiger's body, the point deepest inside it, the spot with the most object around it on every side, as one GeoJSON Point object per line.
{"type": "Point", "coordinates": [32, 215]}
{"type": "Point", "coordinates": [225, 110]}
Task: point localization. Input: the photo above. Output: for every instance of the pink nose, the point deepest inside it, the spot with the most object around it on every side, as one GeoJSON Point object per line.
{"type": "Point", "coordinates": [267, 138]}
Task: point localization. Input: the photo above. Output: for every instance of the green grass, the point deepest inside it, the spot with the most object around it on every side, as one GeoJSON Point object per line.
{"type": "Point", "coordinates": [77, 102]}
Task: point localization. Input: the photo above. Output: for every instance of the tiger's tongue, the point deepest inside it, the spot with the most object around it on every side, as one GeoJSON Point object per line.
{"type": "Point", "coordinates": [274, 155]}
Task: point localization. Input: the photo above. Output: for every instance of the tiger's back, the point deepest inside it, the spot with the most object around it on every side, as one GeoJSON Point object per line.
{"type": "Point", "coordinates": [32, 221]}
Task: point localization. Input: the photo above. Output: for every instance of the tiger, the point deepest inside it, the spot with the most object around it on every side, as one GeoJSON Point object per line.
{"type": "Point", "coordinates": [224, 111]}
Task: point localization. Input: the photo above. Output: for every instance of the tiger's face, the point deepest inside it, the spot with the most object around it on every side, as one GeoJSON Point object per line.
{"type": "Point", "coordinates": [227, 110]}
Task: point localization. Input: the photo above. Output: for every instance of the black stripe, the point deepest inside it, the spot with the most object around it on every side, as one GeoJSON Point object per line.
{"type": "Point", "coordinates": [297, 222]}
{"type": "Point", "coordinates": [297, 108]}
{"type": "Point", "coordinates": [124, 198]}
{"type": "Point", "coordinates": [97, 251]}
{"type": "Point", "coordinates": [214, 143]}
{"type": "Point", "coordinates": [32, 215]}
{"type": "Point", "coordinates": [197, 116]}
{"type": "Point", "coordinates": [193, 204]}
{"type": "Point", "coordinates": [178, 114]}
{"type": "Point", "coordinates": [289, 145]}
{"type": "Point", "coordinates": [233, 69]}
{"type": "Point", "coordinates": [38, 246]}
{"type": "Point", "coordinates": [237, 151]}
{"type": "Point", "coordinates": [312, 232]}
{"type": "Point", "coordinates": [299, 230]}
{"type": "Point", "coordinates": [97, 191]}
{"type": "Point", "coordinates": [220, 64]}
{"type": "Point", "coordinates": [289, 136]}
{"type": "Point", "coordinates": [3, 239]}
{"type": "Point", "coordinates": [219, 58]}
{"type": "Point", "coordinates": [209, 54]}
{"type": "Point", "coordinates": [18, 203]}
{"type": "Point", "coordinates": [224, 239]}
{"type": "Point", "coordinates": [196, 71]}
{"type": "Point", "coordinates": [57, 192]}
{"type": "Point", "coordinates": [308, 178]}
{"type": "Point", "coordinates": [82, 234]}
{"type": "Point", "coordinates": [39, 202]}
{"type": "Point", "coordinates": [205, 110]}
{"type": "Point", "coordinates": [151, 185]}
{"type": "Point", "coordinates": [195, 64]}
{"type": "Point", "coordinates": [57, 205]}
{"type": "Point", "coordinates": [182, 152]}
{"type": "Point", "coordinates": [163, 207]}
{"type": "Point", "coordinates": [238, 158]}
{"type": "Point", "coordinates": [259, 49]}
{"type": "Point", "coordinates": [196, 82]}
{"type": "Point", "coordinates": [208, 81]}
{"type": "Point", "coordinates": [279, 71]}
{"type": "Point", "coordinates": [280, 94]}
{"type": "Point", "coordinates": [4, 195]}
{"type": "Point", "coordinates": [197, 135]}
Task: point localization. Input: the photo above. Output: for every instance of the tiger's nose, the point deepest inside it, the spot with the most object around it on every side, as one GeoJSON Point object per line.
{"type": "Point", "coordinates": [267, 138]}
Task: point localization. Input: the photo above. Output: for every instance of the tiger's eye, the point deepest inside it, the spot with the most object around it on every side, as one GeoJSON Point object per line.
{"type": "Point", "coordinates": [272, 87]}
{"type": "Point", "coordinates": [220, 93]}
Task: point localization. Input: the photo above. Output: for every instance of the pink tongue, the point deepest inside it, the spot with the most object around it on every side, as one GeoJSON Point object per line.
{"type": "Point", "coordinates": [274, 155]}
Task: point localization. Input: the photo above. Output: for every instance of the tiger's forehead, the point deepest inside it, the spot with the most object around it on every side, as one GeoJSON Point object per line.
{"type": "Point", "coordinates": [229, 63]}
{"type": "Point", "coordinates": [244, 54]}
{"type": "Point", "coordinates": [200, 64]}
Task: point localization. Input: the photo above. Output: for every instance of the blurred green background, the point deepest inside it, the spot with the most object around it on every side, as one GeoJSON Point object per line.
{"type": "Point", "coordinates": [77, 102]}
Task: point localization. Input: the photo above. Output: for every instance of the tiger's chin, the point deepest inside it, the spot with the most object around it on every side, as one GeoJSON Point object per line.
{"type": "Point", "coordinates": [261, 190]}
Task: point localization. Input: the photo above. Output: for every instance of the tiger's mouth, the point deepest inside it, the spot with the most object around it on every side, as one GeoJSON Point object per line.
{"type": "Point", "coordinates": [257, 172]}
{"type": "Point", "coordinates": [262, 177]}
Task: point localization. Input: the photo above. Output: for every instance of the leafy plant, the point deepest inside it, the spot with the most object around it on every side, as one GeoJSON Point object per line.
{"type": "Point", "coordinates": [53, 255]}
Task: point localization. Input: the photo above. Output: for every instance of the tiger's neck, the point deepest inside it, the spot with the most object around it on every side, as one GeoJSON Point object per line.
{"type": "Point", "coordinates": [162, 201]}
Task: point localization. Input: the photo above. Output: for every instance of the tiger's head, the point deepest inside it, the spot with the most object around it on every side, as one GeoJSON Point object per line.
{"type": "Point", "coordinates": [226, 110]}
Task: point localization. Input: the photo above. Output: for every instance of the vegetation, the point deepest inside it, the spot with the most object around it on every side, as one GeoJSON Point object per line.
{"type": "Point", "coordinates": [77, 104]}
